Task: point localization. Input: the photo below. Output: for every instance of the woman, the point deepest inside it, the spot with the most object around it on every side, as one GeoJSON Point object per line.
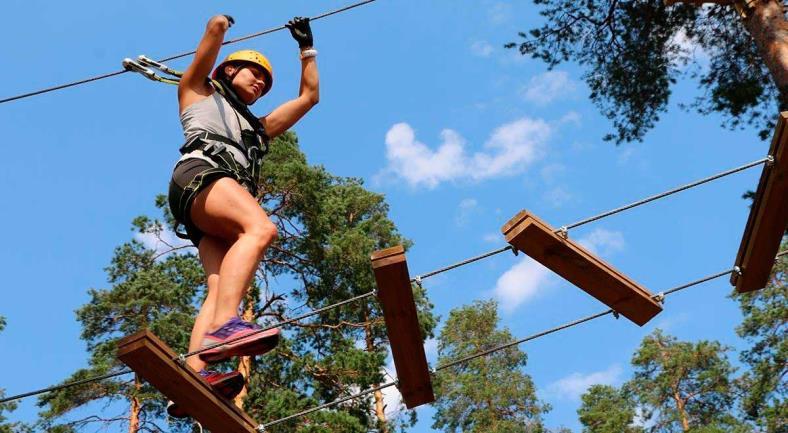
{"type": "Point", "coordinates": [214, 184]}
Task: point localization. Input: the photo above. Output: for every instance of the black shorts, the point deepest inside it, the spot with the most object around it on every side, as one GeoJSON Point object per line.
{"type": "Point", "coordinates": [189, 178]}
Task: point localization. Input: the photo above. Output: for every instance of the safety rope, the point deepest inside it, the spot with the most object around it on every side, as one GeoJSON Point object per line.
{"type": "Point", "coordinates": [563, 231]}
{"type": "Point", "coordinates": [658, 297]}
{"type": "Point", "coordinates": [177, 56]}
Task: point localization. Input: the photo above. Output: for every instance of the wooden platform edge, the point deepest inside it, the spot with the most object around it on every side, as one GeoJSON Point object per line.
{"type": "Point", "coordinates": [639, 306]}
{"type": "Point", "coordinates": [768, 217]}
{"type": "Point", "coordinates": [153, 361]}
{"type": "Point", "coordinates": [395, 294]}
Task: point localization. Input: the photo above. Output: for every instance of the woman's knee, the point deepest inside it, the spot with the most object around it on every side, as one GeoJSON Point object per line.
{"type": "Point", "coordinates": [263, 232]}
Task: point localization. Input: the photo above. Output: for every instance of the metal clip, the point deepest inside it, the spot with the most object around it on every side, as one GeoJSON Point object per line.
{"type": "Point", "coordinates": [261, 428]}
{"type": "Point", "coordinates": [769, 160]}
{"type": "Point", "coordinates": [160, 66]}
{"type": "Point", "coordinates": [660, 297]}
{"type": "Point", "coordinates": [563, 232]}
{"type": "Point", "coordinates": [515, 251]}
{"type": "Point", "coordinates": [616, 315]}
{"type": "Point", "coordinates": [131, 65]}
{"type": "Point", "coordinates": [737, 270]}
{"type": "Point", "coordinates": [182, 359]}
{"type": "Point", "coordinates": [417, 280]}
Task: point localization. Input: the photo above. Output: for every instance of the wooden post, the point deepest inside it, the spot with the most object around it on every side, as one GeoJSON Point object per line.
{"type": "Point", "coordinates": [578, 266]}
{"type": "Point", "coordinates": [153, 361]}
{"type": "Point", "coordinates": [402, 325]}
{"type": "Point", "coordinates": [768, 218]}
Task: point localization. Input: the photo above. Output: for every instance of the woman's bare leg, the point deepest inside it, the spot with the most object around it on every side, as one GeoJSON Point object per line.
{"type": "Point", "coordinates": [212, 251]}
{"type": "Point", "coordinates": [227, 211]}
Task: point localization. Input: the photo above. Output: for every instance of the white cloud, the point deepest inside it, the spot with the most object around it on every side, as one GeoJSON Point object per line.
{"type": "Point", "coordinates": [499, 13]}
{"type": "Point", "coordinates": [604, 242]}
{"type": "Point", "coordinates": [511, 148]}
{"type": "Point", "coordinates": [521, 283]}
{"type": "Point", "coordinates": [492, 237]}
{"type": "Point", "coordinates": [481, 48]}
{"type": "Point", "coordinates": [166, 241]}
{"type": "Point", "coordinates": [557, 196]}
{"type": "Point", "coordinates": [571, 117]}
{"type": "Point", "coordinates": [466, 210]}
{"type": "Point", "coordinates": [545, 88]}
{"type": "Point", "coordinates": [573, 386]}
{"type": "Point", "coordinates": [552, 172]}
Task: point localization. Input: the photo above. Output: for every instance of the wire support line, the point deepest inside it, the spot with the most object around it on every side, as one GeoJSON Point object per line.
{"type": "Point", "coordinates": [417, 279]}
{"type": "Point", "coordinates": [670, 192]}
{"type": "Point", "coordinates": [780, 254]}
{"type": "Point", "coordinates": [276, 325]}
{"type": "Point", "coordinates": [177, 56]}
{"type": "Point", "coordinates": [263, 427]}
{"type": "Point", "coordinates": [66, 385]}
{"type": "Point", "coordinates": [658, 297]}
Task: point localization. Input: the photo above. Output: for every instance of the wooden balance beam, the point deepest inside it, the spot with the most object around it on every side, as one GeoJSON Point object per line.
{"type": "Point", "coordinates": [768, 218]}
{"type": "Point", "coordinates": [530, 235]}
{"type": "Point", "coordinates": [402, 325]}
{"type": "Point", "coordinates": [153, 361]}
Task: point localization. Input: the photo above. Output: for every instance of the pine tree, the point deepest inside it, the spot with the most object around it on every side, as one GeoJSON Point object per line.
{"type": "Point", "coordinates": [6, 427]}
{"type": "Point", "coordinates": [765, 326]}
{"type": "Point", "coordinates": [684, 387]}
{"type": "Point", "coordinates": [634, 51]}
{"type": "Point", "coordinates": [606, 409]}
{"type": "Point", "coordinates": [490, 394]}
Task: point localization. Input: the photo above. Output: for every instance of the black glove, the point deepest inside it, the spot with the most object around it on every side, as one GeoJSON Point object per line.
{"type": "Point", "coordinates": [230, 20]}
{"type": "Point", "coordinates": [302, 33]}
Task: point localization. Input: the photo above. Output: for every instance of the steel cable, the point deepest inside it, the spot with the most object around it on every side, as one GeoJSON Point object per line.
{"type": "Point", "coordinates": [177, 56]}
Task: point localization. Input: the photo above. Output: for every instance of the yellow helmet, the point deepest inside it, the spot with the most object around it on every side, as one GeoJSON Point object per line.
{"type": "Point", "coordinates": [250, 56]}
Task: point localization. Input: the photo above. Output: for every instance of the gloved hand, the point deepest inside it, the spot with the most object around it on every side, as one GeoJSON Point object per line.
{"type": "Point", "coordinates": [302, 33]}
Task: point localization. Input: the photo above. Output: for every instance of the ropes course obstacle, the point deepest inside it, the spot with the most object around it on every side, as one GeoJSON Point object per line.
{"type": "Point", "coordinates": [768, 217]}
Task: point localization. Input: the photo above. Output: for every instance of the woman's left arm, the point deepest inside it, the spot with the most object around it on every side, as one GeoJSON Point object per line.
{"type": "Point", "coordinates": [287, 114]}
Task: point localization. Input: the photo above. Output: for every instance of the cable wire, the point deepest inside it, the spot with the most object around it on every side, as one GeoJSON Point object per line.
{"type": "Point", "coordinates": [670, 192]}
{"type": "Point", "coordinates": [66, 385]}
{"type": "Point", "coordinates": [177, 56]}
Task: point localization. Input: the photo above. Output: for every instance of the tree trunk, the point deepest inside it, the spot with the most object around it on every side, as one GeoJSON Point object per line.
{"type": "Point", "coordinates": [682, 412]}
{"type": "Point", "coordinates": [245, 363]}
{"type": "Point", "coordinates": [380, 408]}
{"type": "Point", "coordinates": [134, 416]}
{"type": "Point", "coordinates": [767, 25]}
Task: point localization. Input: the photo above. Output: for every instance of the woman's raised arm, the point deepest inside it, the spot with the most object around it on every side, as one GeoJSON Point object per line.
{"type": "Point", "coordinates": [193, 85]}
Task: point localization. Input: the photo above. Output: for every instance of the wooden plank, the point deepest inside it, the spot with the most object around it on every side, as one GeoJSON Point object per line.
{"type": "Point", "coordinates": [153, 361]}
{"type": "Point", "coordinates": [402, 325]}
{"type": "Point", "coordinates": [768, 218]}
{"type": "Point", "coordinates": [530, 235]}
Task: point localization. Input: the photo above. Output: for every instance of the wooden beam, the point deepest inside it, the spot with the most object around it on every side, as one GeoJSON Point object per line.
{"type": "Point", "coordinates": [768, 217]}
{"type": "Point", "coordinates": [153, 361]}
{"type": "Point", "coordinates": [402, 325]}
{"type": "Point", "coordinates": [530, 235]}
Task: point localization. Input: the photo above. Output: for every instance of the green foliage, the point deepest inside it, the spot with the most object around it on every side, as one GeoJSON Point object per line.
{"type": "Point", "coordinates": [146, 290]}
{"type": "Point", "coordinates": [328, 227]}
{"type": "Point", "coordinates": [633, 51]}
{"type": "Point", "coordinates": [6, 427]}
{"type": "Point", "coordinates": [489, 394]}
{"type": "Point", "coordinates": [606, 409]}
{"type": "Point", "coordinates": [681, 385]}
{"type": "Point", "coordinates": [765, 326]}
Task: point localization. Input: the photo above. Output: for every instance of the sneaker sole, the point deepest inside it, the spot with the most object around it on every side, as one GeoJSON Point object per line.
{"type": "Point", "coordinates": [257, 344]}
{"type": "Point", "coordinates": [226, 388]}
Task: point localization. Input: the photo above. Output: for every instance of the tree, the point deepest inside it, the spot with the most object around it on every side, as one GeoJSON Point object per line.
{"type": "Point", "coordinates": [606, 409]}
{"type": "Point", "coordinates": [328, 227]}
{"type": "Point", "coordinates": [684, 387]}
{"type": "Point", "coordinates": [765, 326]}
{"type": "Point", "coordinates": [6, 427]}
{"type": "Point", "coordinates": [633, 51]}
{"type": "Point", "coordinates": [147, 291]}
{"type": "Point", "coordinates": [489, 394]}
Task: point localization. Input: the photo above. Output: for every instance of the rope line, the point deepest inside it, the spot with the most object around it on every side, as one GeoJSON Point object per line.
{"type": "Point", "coordinates": [670, 192]}
{"type": "Point", "coordinates": [263, 427]}
{"type": "Point", "coordinates": [66, 385]}
{"type": "Point", "coordinates": [658, 297]}
{"type": "Point", "coordinates": [177, 56]}
{"type": "Point", "coordinates": [563, 230]}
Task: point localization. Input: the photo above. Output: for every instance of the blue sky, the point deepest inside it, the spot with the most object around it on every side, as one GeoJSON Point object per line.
{"type": "Point", "coordinates": [417, 98]}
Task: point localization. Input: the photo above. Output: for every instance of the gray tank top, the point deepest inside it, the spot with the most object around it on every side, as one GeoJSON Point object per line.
{"type": "Point", "coordinates": [213, 114]}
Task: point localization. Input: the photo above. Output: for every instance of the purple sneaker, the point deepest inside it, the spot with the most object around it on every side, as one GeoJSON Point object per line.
{"type": "Point", "coordinates": [257, 343]}
{"type": "Point", "coordinates": [227, 385]}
